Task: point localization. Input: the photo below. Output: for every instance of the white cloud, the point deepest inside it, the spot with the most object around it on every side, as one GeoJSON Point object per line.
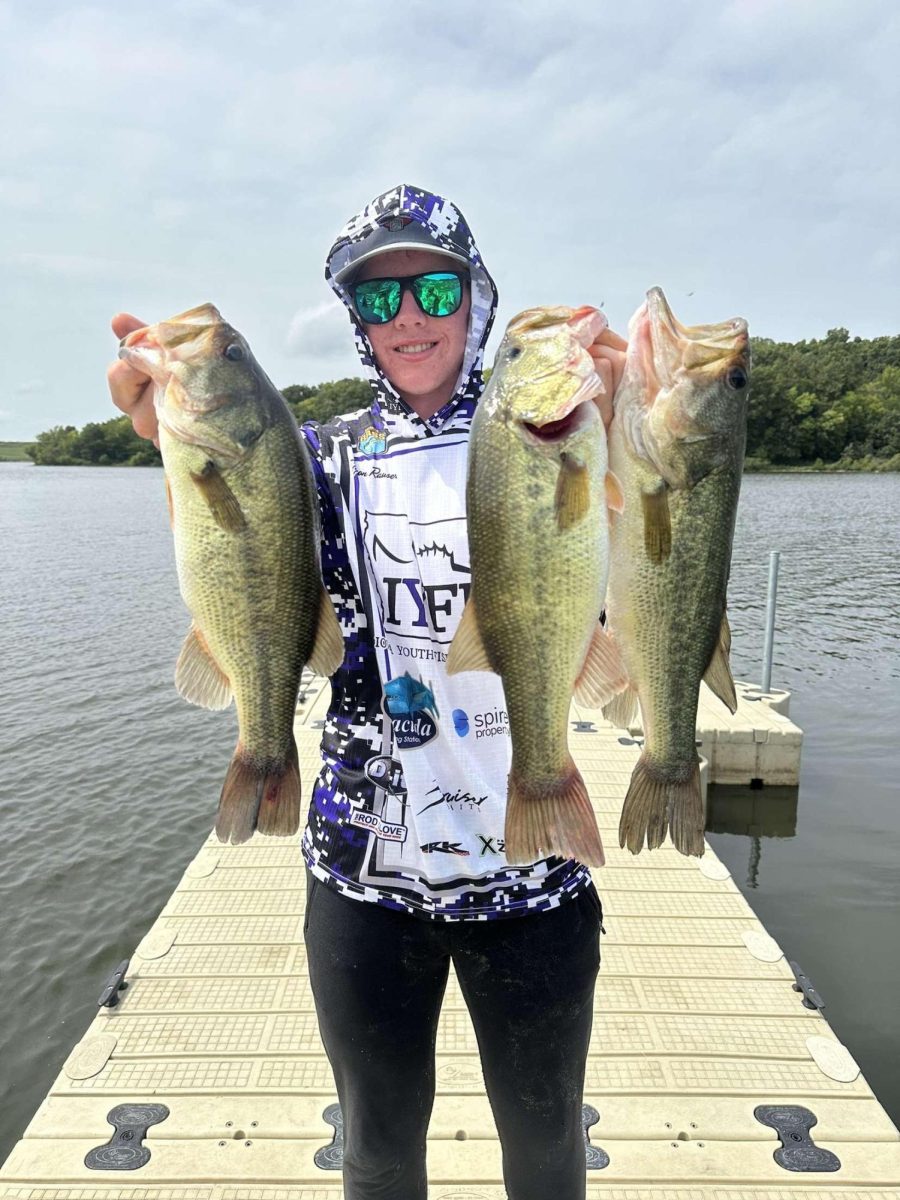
{"type": "Point", "coordinates": [743, 151]}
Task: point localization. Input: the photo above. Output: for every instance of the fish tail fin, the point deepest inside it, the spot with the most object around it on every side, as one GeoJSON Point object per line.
{"type": "Point", "coordinates": [687, 819]}
{"type": "Point", "coordinates": [551, 817]}
{"type": "Point", "coordinates": [263, 795]}
{"type": "Point", "coordinates": [656, 803]}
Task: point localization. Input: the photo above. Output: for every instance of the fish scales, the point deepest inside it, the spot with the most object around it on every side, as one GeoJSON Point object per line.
{"type": "Point", "coordinates": [244, 514]}
{"type": "Point", "coordinates": [669, 614]}
{"type": "Point", "coordinates": [535, 587]}
{"type": "Point", "coordinates": [536, 505]}
{"type": "Point", "coordinates": [248, 592]}
{"type": "Point", "coordinates": [677, 447]}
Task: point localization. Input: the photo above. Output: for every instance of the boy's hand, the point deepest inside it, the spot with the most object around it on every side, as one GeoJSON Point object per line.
{"type": "Point", "coordinates": [608, 353]}
{"type": "Point", "coordinates": [131, 390]}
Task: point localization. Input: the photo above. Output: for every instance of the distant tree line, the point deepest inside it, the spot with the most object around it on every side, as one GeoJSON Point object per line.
{"type": "Point", "coordinates": [114, 442]}
{"type": "Point", "coordinates": [99, 443]}
{"type": "Point", "coordinates": [830, 402]}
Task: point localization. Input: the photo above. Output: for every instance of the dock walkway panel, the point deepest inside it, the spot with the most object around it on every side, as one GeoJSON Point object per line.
{"type": "Point", "coordinates": [696, 1024]}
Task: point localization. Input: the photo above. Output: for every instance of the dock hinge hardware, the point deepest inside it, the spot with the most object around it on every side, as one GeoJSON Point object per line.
{"type": "Point", "coordinates": [811, 998]}
{"type": "Point", "coordinates": [109, 997]}
{"type": "Point", "coordinates": [798, 1151]}
{"type": "Point", "coordinates": [331, 1157]}
{"type": "Point", "coordinates": [123, 1151]}
{"type": "Point", "coordinates": [597, 1159]}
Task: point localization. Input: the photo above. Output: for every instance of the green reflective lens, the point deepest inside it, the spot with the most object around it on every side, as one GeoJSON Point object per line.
{"type": "Point", "coordinates": [437, 293]}
{"type": "Point", "coordinates": [377, 300]}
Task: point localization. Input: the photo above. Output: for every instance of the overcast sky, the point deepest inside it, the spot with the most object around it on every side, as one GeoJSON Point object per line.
{"type": "Point", "coordinates": [743, 155]}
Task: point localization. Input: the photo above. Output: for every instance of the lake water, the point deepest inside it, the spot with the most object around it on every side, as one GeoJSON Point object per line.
{"type": "Point", "coordinates": [110, 781]}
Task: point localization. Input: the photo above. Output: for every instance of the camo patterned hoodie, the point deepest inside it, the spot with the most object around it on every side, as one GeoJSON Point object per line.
{"type": "Point", "coordinates": [409, 807]}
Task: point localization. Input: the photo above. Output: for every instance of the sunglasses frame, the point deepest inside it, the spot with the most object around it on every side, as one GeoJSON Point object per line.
{"type": "Point", "coordinates": [406, 283]}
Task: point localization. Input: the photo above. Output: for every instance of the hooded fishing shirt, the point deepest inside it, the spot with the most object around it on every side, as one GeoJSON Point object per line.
{"type": "Point", "coordinates": [409, 808]}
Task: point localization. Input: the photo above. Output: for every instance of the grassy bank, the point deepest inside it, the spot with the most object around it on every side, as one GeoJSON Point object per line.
{"type": "Point", "coordinates": [14, 451]}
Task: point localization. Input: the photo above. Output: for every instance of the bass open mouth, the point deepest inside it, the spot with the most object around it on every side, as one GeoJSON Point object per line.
{"type": "Point", "coordinates": [555, 431]}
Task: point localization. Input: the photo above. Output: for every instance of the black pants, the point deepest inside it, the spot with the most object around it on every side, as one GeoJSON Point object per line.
{"type": "Point", "coordinates": [378, 978]}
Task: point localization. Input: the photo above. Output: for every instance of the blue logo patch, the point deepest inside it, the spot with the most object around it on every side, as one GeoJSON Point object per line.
{"type": "Point", "coordinates": [372, 441]}
{"type": "Point", "coordinates": [461, 721]}
{"type": "Point", "coordinates": [411, 706]}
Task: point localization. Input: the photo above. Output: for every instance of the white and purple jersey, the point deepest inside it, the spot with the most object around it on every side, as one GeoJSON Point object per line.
{"type": "Point", "coordinates": [409, 808]}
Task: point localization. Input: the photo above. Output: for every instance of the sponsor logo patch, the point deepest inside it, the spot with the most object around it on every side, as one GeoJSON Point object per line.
{"type": "Point", "coordinates": [410, 704]}
{"type": "Point", "coordinates": [458, 801]}
{"type": "Point", "coordinates": [460, 721]}
{"type": "Point", "coordinates": [385, 772]}
{"type": "Point", "coordinates": [493, 723]}
{"type": "Point", "coordinates": [491, 845]}
{"type": "Point", "coordinates": [387, 830]}
{"type": "Point", "coordinates": [372, 441]}
{"type": "Point", "coordinates": [444, 848]}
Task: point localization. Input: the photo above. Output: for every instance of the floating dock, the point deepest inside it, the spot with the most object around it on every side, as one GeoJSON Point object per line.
{"type": "Point", "coordinates": [703, 1049]}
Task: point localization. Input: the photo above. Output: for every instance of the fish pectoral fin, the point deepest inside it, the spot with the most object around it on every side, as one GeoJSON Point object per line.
{"type": "Point", "coordinates": [603, 672]}
{"type": "Point", "coordinates": [623, 710]}
{"type": "Point", "coordinates": [328, 648]}
{"type": "Point", "coordinates": [718, 677]}
{"type": "Point", "coordinates": [467, 650]}
{"type": "Point", "coordinates": [657, 524]}
{"type": "Point", "coordinates": [573, 493]}
{"type": "Point", "coordinates": [170, 502]}
{"type": "Point", "coordinates": [198, 677]}
{"type": "Point", "coordinates": [615, 496]}
{"type": "Point", "coordinates": [223, 504]}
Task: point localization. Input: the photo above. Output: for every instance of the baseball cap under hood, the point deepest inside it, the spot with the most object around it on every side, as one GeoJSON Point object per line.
{"type": "Point", "coordinates": [407, 217]}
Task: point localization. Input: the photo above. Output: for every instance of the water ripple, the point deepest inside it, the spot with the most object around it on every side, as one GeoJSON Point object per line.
{"type": "Point", "coordinates": [110, 780]}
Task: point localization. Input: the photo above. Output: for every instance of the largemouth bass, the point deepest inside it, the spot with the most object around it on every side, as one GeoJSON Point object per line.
{"type": "Point", "coordinates": [677, 446]}
{"type": "Point", "coordinates": [536, 500]}
{"type": "Point", "coordinates": [242, 503]}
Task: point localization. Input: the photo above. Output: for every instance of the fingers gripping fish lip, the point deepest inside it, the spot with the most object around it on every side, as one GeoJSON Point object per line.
{"type": "Point", "coordinates": [188, 335]}
{"type": "Point", "coordinates": [585, 323]}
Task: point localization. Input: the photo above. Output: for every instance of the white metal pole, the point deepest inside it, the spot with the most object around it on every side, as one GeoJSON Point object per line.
{"type": "Point", "coordinates": [774, 557]}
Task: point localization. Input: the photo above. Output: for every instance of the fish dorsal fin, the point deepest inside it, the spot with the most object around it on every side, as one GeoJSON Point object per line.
{"type": "Point", "coordinates": [328, 648]}
{"type": "Point", "coordinates": [223, 504]}
{"type": "Point", "coordinates": [467, 650]}
{"type": "Point", "coordinates": [603, 673]}
{"type": "Point", "coordinates": [615, 496]}
{"type": "Point", "coordinates": [573, 493]}
{"type": "Point", "coordinates": [198, 677]}
{"type": "Point", "coordinates": [718, 677]}
{"type": "Point", "coordinates": [657, 524]}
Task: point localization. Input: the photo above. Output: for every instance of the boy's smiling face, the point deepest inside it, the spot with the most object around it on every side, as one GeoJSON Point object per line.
{"type": "Point", "coordinates": [421, 355]}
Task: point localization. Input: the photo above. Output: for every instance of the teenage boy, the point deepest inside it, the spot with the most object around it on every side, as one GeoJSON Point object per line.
{"type": "Point", "coordinates": [404, 840]}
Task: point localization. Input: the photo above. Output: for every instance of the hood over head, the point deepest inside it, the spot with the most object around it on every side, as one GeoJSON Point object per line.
{"type": "Point", "coordinates": [406, 217]}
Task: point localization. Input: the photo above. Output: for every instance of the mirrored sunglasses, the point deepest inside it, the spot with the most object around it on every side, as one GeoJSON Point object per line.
{"type": "Point", "coordinates": [437, 293]}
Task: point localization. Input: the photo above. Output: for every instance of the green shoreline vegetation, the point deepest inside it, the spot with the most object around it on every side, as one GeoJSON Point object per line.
{"type": "Point", "coordinates": [829, 404]}
{"type": "Point", "coordinates": [15, 451]}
